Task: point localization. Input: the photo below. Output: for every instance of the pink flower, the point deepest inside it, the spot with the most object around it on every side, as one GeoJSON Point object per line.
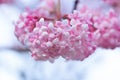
{"type": "Point", "coordinates": [73, 37]}
{"type": "Point", "coordinates": [105, 27]}
{"type": "Point", "coordinates": [108, 30]}
{"type": "Point", "coordinates": [6, 1]}
{"type": "Point", "coordinates": [47, 39]}
{"type": "Point", "coordinates": [112, 2]}
{"type": "Point", "coordinates": [115, 4]}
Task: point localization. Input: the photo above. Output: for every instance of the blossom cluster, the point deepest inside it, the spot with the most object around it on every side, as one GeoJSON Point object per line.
{"type": "Point", "coordinates": [115, 4]}
{"type": "Point", "coordinates": [104, 26]}
{"type": "Point", "coordinates": [107, 30]}
{"type": "Point", "coordinates": [73, 37]}
{"type": "Point", "coordinates": [6, 1]}
{"type": "Point", "coordinates": [112, 2]}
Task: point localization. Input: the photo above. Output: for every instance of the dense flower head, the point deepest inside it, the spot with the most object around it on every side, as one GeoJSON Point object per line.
{"type": "Point", "coordinates": [63, 38]}
{"type": "Point", "coordinates": [105, 26]}
{"type": "Point", "coordinates": [115, 4]}
{"type": "Point", "coordinates": [73, 37]}
{"type": "Point", "coordinates": [108, 30]}
{"type": "Point", "coordinates": [6, 1]}
{"type": "Point", "coordinates": [48, 39]}
{"type": "Point", "coordinates": [112, 2]}
{"type": "Point", "coordinates": [27, 21]}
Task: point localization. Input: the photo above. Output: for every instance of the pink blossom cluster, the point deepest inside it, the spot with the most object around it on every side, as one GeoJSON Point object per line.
{"type": "Point", "coordinates": [73, 37]}
{"type": "Point", "coordinates": [104, 26]}
{"type": "Point", "coordinates": [49, 39]}
{"type": "Point", "coordinates": [63, 38]}
{"type": "Point", "coordinates": [107, 30]}
{"type": "Point", "coordinates": [112, 2]}
{"type": "Point", "coordinates": [27, 21]}
{"type": "Point", "coordinates": [6, 1]}
{"type": "Point", "coordinates": [115, 4]}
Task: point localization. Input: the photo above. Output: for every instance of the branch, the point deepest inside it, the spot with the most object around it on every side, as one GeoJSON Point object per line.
{"type": "Point", "coordinates": [75, 4]}
{"type": "Point", "coordinates": [15, 49]}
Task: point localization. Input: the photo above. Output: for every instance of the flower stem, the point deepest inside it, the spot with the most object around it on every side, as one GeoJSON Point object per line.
{"type": "Point", "coordinates": [75, 4]}
{"type": "Point", "coordinates": [58, 10]}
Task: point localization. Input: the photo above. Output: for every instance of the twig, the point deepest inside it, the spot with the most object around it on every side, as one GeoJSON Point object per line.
{"type": "Point", "coordinates": [75, 5]}
{"type": "Point", "coordinates": [58, 10]}
{"type": "Point", "coordinates": [15, 49]}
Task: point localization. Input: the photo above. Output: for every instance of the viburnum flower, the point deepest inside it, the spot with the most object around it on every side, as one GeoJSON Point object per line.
{"type": "Point", "coordinates": [107, 30]}
{"type": "Point", "coordinates": [49, 35]}
{"type": "Point", "coordinates": [6, 1]}
{"type": "Point", "coordinates": [105, 26]}
{"type": "Point", "coordinates": [27, 20]}
{"type": "Point", "coordinates": [112, 2]}
{"type": "Point", "coordinates": [48, 38]}
{"type": "Point", "coordinates": [115, 4]}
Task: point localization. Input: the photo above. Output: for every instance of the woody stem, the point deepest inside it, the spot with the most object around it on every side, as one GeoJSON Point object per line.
{"type": "Point", "coordinates": [75, 4]}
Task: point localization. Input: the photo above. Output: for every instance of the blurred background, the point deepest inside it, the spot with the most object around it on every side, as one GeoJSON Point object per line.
{"type": "Point", "coordinates": [15, 64]}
